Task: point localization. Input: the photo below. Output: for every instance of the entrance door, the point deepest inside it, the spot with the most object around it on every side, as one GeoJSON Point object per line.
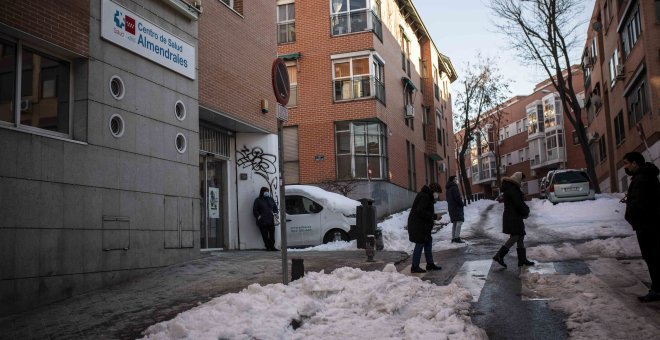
{"type": "Point", "coordinates": [213, 174]}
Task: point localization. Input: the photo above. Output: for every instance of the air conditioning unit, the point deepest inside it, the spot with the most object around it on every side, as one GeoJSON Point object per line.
{"type": "Point", "coordinates": [26, 105]}
{"type": "Point", "coordinates": [620, 72]}
{"type": "Point", "coordinates": [409, 111]}
{"type": "Point", "coordinates": [441, 167]}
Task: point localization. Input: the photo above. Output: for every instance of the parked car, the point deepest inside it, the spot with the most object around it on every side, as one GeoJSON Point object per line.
{"type": "Point", "coordinates": [544, 183]}
{"type": "Point", "coordinates": [315, 216]}
{"type": "Point", "coordinates": [569, 186]}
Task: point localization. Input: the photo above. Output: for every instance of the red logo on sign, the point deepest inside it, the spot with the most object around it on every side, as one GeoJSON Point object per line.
{"type": "Point", "coordinates": [130, 25]}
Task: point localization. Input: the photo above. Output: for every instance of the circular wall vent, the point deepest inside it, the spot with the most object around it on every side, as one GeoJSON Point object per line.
{"type": "Point", "coordinates": [117, 87]}
{"type": "Point", "coordinates": [180, 110]}
{"type": "Point", "coordinates": [116, 125]}
{"type": "Point", "coordinates": [180, 143]}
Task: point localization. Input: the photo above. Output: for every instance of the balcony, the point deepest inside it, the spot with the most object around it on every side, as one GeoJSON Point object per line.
{"type": "Point", "coordinates": [484, 176]}
{"type": "Point", "coordinates": [356, 21]}
{"type": "Point", "coordinates": [358, 88]}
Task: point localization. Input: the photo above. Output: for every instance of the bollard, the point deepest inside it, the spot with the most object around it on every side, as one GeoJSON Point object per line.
{"type": "Point", "coordinates": [297, 269]}
{"type": "Point", "coordinates": [379, 240]}
{"type": "Point", "coordinates": [370, 248]}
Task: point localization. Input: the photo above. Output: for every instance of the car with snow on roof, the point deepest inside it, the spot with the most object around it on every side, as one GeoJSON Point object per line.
{"type": "Point", "coordinates": [315, 216]}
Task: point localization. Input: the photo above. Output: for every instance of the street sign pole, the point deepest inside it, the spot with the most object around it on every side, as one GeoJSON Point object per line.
{"type": "Point", "coordinates": [283, 245]}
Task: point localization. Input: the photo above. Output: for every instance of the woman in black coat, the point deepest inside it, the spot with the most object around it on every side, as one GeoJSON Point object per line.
{"type": "Point", "coordinates": [455, 206]}
{"type": "Point", "coordinates": [515, 210]}
{"type": "Point", "coordinates": [263, 209]}
{"type": "Point", "coordinates": [420, 224]}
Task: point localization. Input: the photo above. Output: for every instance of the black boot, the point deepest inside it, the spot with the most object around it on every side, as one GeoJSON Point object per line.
{"type": "Point", "coordinates": [522, 258]}
{"type": "Point", "coordinates": [499, 257]}
{"type": "Point", "coordinates": [433, 266]}
{"type": "Point", "coordinates": [417, 270]}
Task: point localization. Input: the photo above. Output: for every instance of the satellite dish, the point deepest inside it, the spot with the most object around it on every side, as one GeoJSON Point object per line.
{"type": "Point", "coordinates": [597, 26]}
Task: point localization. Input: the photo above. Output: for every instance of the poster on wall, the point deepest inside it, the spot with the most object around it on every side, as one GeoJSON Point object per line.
{"type": "Point", "coordinates": [214, 203]}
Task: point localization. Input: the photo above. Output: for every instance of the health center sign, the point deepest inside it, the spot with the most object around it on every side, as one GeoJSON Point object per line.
{"type": "Point", "coordinates": [138, 35]}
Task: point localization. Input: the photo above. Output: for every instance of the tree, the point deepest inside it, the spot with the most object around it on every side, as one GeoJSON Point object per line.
{"type": "Point", "coordinates": [481, 89]}
{"type": "Point", "coordinates": [495, 119]}
{"type": "Point", "coordinates": [544, 33]}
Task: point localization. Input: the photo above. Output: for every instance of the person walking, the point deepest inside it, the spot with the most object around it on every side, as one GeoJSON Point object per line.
{"type": "Point", "coordinates": [420, 224]}
{"type": "Point", "coordinates": [643, 213]}
{"type": "Point", "coordinates": [455, 206]}
{"type": "Point", "coordinates": [515, 210]}
{"type": "Point", "coordinates": [263, 209]}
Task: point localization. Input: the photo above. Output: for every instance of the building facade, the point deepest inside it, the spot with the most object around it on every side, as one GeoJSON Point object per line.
{"type": "Point", "coordinates": [370, 102]}
{"type": "Point", "coordinates": [135, 134]}
{"type": "Point", "coordinates": [530, 134]}
{"type": "Point", "coordinates": [621, 63]}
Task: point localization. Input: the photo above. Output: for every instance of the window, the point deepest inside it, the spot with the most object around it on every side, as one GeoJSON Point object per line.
{"type": "Point", "coordinates": [358, 77]}
{"type": "Point", "coordinates": [412, 172]}
{"type": "Point", "coordinates": [405, 52]}
{"type": "Point", "coordinates": [636, 102]}
{"type": "Point", "coordinates": [361, 147]}
{"type": "Point", "coordinates": [349, 16]}
{"type": "Point", "coordinates": [291, 157]}
{"type": "Point", "coordinates": [438, 124]}
{"type": "Point", "coordinates": [535, 117]}
{"type": "Point", "coordinates": [619, 131]}
{"type": "Point", "coordinates": [408, 105]}
{"type": "Point", "coordinates": [436, 81]}
{"type": "Point", "coordinates": [602, 149]}
{"type": "Point", "coordinates": [43, 100]}
{"type": "Point", "coordinates": [614, 67]}
{"type": "Point", "coordinates": [292, 70]}
{"type": "Point", "coordinates": [631, 31]}
{"type": "Point", "coordinates": [236, 5]}
{"type": "Point", "coordinates": [518, 127]}
{"type": "Point", "coordinates": [286, 23]}
{"type": "Point", "coordinates": [299, 205]}
{"type": "Point", "coordinates": [554, 139]}
{"type": "Point", "coordinates": [551, 112]}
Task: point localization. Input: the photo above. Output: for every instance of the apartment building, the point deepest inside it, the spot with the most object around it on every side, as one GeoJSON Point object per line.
{"type": "Point", "coordinates": [370, 102]}
{"type": "Point", "coordinates": [134, 133]}
{"type": "Point", "coordinates": [530, 134]}
{"type": "Point", "coordinates": [621, 63]}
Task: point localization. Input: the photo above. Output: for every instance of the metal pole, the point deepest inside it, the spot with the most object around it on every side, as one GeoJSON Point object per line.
{"type": "Point", "coordinates": [283, 245]}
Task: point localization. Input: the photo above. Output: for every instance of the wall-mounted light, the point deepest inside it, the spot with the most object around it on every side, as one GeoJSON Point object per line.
{"type": "Point", "coordinates": [264, 106]}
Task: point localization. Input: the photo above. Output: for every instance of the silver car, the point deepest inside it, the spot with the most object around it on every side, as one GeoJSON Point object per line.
{"type": "Point", "coordinates": [569, 186]}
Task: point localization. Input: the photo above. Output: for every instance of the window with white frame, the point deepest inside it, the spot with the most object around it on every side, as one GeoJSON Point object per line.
{"type": "Point", "coordinates": [551, 111]}
{"type": "Point", "coordinates": [35, 89]}
{"type": "Point", "coordinates": [349, 16]}
{"type": "Point", "coordinates": [286, 22]}
{"type": "Point", "coordinates": [614, 67]}
{"type": "Point", "coordinates": [405, 51]}
{"type": "Point", "coordinates": [361, 150]}
{"type": "Point", "coordinates": [358, 77]}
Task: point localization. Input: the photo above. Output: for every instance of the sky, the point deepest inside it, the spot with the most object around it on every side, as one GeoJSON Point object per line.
{"type": "Point", "coordinates": [461, 29]}
{"type": "Point", "coordinates": [387, 304]}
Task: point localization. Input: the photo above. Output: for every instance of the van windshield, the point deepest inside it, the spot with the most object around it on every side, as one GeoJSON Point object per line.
{"type": "Point", "coordinates": [570, 177]}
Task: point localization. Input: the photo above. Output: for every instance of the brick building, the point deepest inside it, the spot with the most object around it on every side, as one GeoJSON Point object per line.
{"type": "Point", "coordinates": [530, 134]}
{"type": "Point", "coordinates": [621, 63]}
{"type": "Point", "coordinates": [370, 101]}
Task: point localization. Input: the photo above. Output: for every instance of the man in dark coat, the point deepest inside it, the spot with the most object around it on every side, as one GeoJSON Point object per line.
{"type": "Point", "coordinates": [420, 224]}
{"type": "Point", "coordinates": [515, 210]}
{"type": "Point", "coordinates": [263, 209]}
{"type": "Point", "coordinates": [643, 214]}
{"type": "Point", "coordinates": [455, 206]}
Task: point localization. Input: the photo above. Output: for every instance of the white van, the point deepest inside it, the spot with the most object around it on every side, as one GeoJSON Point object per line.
{"type": "Point", "coordinates": [315, 216]}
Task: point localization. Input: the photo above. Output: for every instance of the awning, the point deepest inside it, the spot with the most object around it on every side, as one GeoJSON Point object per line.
{"type": "Point", "coordinates": [290, 56]}
{"type": "Point", "coordinates": [408, 83]}
{"type": "Point", "coordinates": [434, 156]}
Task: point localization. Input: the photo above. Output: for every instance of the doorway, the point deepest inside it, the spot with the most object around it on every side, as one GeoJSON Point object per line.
{"type": "Point", "coordinates": [213, 194]}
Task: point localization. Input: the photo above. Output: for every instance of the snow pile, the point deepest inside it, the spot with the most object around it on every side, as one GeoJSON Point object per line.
{"type": "Point", "coordinates": [348, 303]}
{"type": "Point", "coordinates": [611, 247]}
{"type": "Point", "coordinates": [595, 310]}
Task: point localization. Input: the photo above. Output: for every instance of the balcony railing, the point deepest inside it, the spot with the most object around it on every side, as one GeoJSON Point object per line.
{"type": "Point", "coordinates": [356, 21]}
{"type": "Point", "coordinates": [358, 87]}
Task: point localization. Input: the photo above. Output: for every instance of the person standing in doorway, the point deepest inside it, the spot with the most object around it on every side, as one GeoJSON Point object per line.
{"type": "Point", "coordinates": [643, 214]}
{"type": "Point", "coordinates": [455, 206]}
{"type": "Point", "coordinates": [420, 224]}
{"type": "Point", "coordinates": [263, 209]}
{"type": "Point", "coordinates": [515, 210]}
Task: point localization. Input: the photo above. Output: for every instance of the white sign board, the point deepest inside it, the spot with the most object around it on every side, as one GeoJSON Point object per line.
{"type": "Point", "coordinates": [214, 202]}
{"type": "Point", "coordinates": [140, 36]}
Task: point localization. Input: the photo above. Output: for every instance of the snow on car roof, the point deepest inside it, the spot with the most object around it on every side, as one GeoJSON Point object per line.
{"type": "Point", "coordinates": [330, 200]}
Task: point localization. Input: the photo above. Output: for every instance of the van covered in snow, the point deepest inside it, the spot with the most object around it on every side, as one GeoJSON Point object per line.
{"type": "Point", "coordinates": [315, 216]}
